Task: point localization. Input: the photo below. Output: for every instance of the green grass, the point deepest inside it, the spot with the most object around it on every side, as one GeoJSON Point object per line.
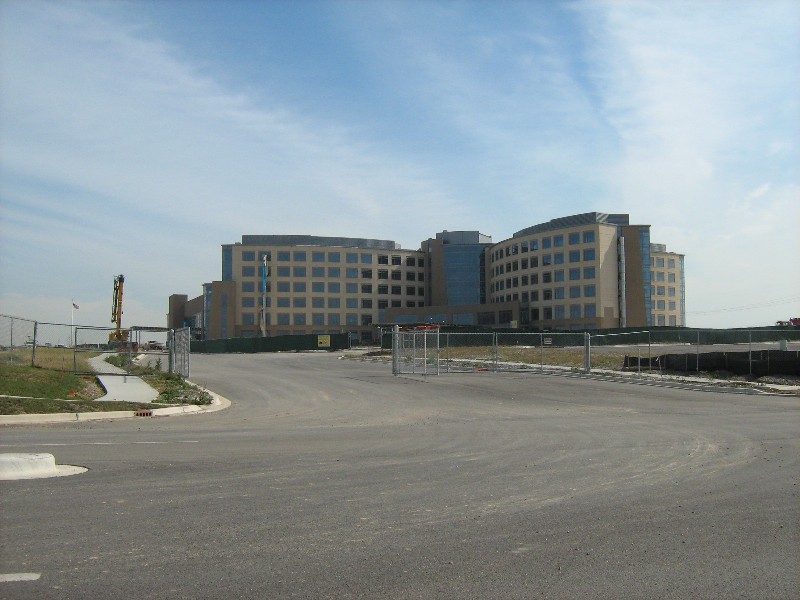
{"type": "Point", "coordinates": [24, 380]}
{"type": "Point", "coordinates": [39, 406]}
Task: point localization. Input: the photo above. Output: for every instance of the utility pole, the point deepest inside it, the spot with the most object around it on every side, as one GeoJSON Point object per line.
{"type": "Point", "coordinates": [264, 279]}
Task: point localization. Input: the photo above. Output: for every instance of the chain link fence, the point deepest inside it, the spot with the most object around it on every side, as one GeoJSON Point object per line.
{"type": "Point", "coordinates": [65, 347]}
{"type": "Point", "coordinates": [755, 352]}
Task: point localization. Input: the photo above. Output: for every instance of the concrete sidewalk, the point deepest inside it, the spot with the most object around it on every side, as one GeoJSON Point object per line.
{"type": "Point", "coordinates": [124, 388]}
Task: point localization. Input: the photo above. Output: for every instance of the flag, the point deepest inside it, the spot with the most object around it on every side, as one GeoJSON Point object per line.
{"type": "Point", "coordinates": [75, 306]}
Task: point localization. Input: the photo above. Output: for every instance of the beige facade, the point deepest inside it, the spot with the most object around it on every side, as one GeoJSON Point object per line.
{"type": "Point", "coordinates": [667, 288]}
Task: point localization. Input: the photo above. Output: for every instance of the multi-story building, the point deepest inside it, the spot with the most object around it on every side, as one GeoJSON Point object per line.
{"type": "Point", "coordinates": [667, 287]}
{"type": "Point", "coordinates": [587, 271]}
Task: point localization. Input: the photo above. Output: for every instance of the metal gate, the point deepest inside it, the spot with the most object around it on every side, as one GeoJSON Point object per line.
{"type": "Point", "coordinates": [179, 351]}
{"type": "Point", "coordinates": [415, 352]}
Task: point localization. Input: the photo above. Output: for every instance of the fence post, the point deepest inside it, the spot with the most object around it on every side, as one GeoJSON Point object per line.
{"type": "Point", "coordinates": [395, 350]}
{"type": "Point", "coordinates": [649, 354]}
{"type": "Point", "coordinates": [541, 347]}
{"type": "Point", "coordinates": [587, 352]}
{"type": "Point", "coordinates": [750, 351]}
{"type": "Point", "coordinates": [698, 350]}
{"type": "Point", "coordinates": [495, 351]}
{"type": "Point", "coordinates": [35, 335]}
{"type": "Point", "coordinates": [11, 353]}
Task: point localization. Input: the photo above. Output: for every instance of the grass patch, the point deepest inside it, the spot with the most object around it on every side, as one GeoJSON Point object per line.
{"type": "Point", "coordinates": [39, 406]}
{"type": "Point", "coordinates": [171, 388]}
{"type": "Point", "coordinates": [24, 380]}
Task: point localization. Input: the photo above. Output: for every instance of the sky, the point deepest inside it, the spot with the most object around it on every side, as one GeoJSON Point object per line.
{"type": "Point", "coordinates": [138, 137]}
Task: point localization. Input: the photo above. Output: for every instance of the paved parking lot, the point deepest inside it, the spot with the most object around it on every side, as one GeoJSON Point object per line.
{"type": "Point", "coordinates": [331, 478]}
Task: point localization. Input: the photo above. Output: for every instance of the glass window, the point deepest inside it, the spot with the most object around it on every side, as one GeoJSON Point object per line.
{"type": "Point", "coordinates": [383, 274]}
{"type": "Point", "coordinates": [672, 320]}
{"type": "Point", "coordinates": [546, 243]}
{"type": "Point", "coordinates": [574, 256]}
{"type": "Point", "coordinates": [352, 319]}
{"type": "Point", "coordinates": [366, 288]}
{"type": "Point", "coordinates": [558, 241]}
{"type": "Point", "coordinates": [411, 290]}
{"type": "Point", "coordinates": [334, 302]}
{"type": "Point", "coordinates": [334, 319]}
{"type": "Point", "coordinates": [547, 259]}
{"type": "Point", "coordinates": [574, 311]}
{"type": "Point", "coordinates": [248, 271]}
{"type": "Point", "coordinates": [574, 274]}
{"type": "Point", "coordinates": [588, 254]}
{"type": "Point", "coordinates": [523, 246]}
{"type": "Point", "coordinates": [300, 256]}
{"type": "Point", "coordinates": [248, 286]}
{"type": "Point", "coordinates": [671, 291]}
{"type": "Point", "coordinates": [299, 318]}
{"type": "Point", "coordinates": [334, 287]}
{"type": "Point", "coordinates": [334, 272]}
{"type": "Point", "coordinates": [574, 238]}
{"type": "Point", "coordinates": [366, 259]}
{"type": "Point", "coordinates": [352, 288]}
{"type": "Point", "coordinates": [534, 245]}
{"type": "Point", "coordinates": [661, 305]}
{"type": "Point", "coordinates": [558, 258]}
{"type": "Point", "coordinates": [299, 271]}
{"type": "Point", "coordinates": [283, 318]}
{"type": "Point", "coordinates": [318, 257]}
{"type": "Point", "coordinates": [397, 303]}
{"type": "Point", "coordinates": [248, 319]}
{"type": "Point", "coordinates": [334, 257]}
{"type": "Point", "coordinates": [660, 290]}
{"type": "Point", "coordinates": [397, 275]}
{"type": "Point", "coordinates": [575, 291]}
{"type": "Point", "coordinates": [351, 302]}
{"type": "Point", "coordinates": [318, 287]}
{"type": "Point", "coordinates": [366, 273]}
{"type": "Point", "coordinates": [661, 320]}
{"type": "Point", "coordinates": [366, 303]}
{"type": "Point", "coordinates": [299, 302]}
{"type": "Point", "coordinates": [671, 277]}
{"type": "Point", "coordinates": [383, 289]}
{"type": "Point", "coordinates": [383, 259]}
{"type": "Point", "coordinates": [351, 257]}
{"type": "Point", "coordinates": [318, 319]}
{"type": "Point", "coordinates": [352, 273]}
{"type": "Point", "coordinates": [420, 262]}
{"type": "Point", "coordinates": [559, 312]}
{"type": "Point", "coordinates": [672, 305]}
{"type": "Point", "coordinates": [248, 302]}
{"type": "Point", "coordinates": [411, 276]}
{"type": "Point", "coordinates": [248, 256]}
{"type": "Point", "coordinates": [318, 271]}
{"type": "Point", "coordinates": [547, 277]}
{"type": "Point", "coordinates": [284, 257]}
{"type": "Point", "coordinates": [397, 290]}
{"type": "Point", "coordinates": [671, 263]}
{"type": "Point", "coordinates": [284, 286]}
{"type": "Point", "coordinates": [588, 237]}
{"type": "Point", "coordinates": [558, 275]}
{"type": "Point", "coordinates": [559, 293]}
{"type": "Point", "coordinates": [410, 261]}
{"type": "Point", "coordinates": [396, 260]}
{"type": "Point", "coordinates": [283, 271]}
{"type": "Point", "coordinates": [660, 262]}
{"type": "Point", "coordinates": [283, 302]}
{"type": "Point", "coordinates": [299, 287]}
{"type": "Point", "coordinates": [547, 294]}
{"type": "Point", "coordinates": [317, 302]}
{"type": "Point", "coordinates": [590, 310]}
{"type": "Point", "coordinates": [590, 291]}
{"type": "Point", "coordinates": [588, 273]}
{"type": "Point", "coordinates": [660, 276]}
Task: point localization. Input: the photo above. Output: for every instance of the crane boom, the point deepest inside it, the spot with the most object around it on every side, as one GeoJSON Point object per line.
{"type": "Point", "coordinates": [119, 334]}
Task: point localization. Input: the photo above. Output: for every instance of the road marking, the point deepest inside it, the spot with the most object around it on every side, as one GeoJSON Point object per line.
{"type": "Point", "coordinates": [9, 577]}
{"type": "Point", "coordinates": [54, 444]}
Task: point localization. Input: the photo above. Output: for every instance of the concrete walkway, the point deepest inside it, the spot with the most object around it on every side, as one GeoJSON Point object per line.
{"type": "Point", "coordinates": [125, 388]}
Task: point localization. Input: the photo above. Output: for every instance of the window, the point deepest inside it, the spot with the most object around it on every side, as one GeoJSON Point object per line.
{"type": "Point", "coordinates": [558, 241]}
{"type": "Point", "coordinates": [559, 293]}
{"type": "Point", "coordinates": [411, 290]}
{"type": "Point", "coordinates": [547, 313]}
{"type": "Point", "coordinates": [574, 311]}
{"type": "Point", "coordinates": [661, 320]}
{"type": "Point", "coordinates": [317, 302]}
{"type": "Point", "coordinates": [334, 272]}
{"type": "Point", "coordinates": [248, 256]}
{"type": "Point", "coordinates": [397, 303]}
{"type": "Point", "coordinates": [420, 292]}
{"type": "Point", "coordinates": [672, 305]}
{"type": "Point", "coordinates": [558, 275]}
{"type": "Point", "coordinates": [547, 277]}
{"type": "Point", "coordinates": [559, 312]}
{"type": "Point", "coordinates": [589, 291]}
{"type": "Point", "coordinates": [300, 256]}
{"type": "Point", "coordinates": [284, 272]}
{"type": "Point", "coordinates": [660, 276]}
{"type": "Point", "coordinates": [334, 303]}
{"type": "Point", "coordinates": [351, 257]}
{"type": "Point", "coordinates": [396, 290]}
{"type": "Point", "coordinates": [352, 319]}
{"type": "Point", "coordinates": [661, 305]}
{"type": "Point", "coordinates": [366, 303]}
{"type": "Point", "coordinates": [299, 287]}
{"type": "Point", "coordinates": [366, 259]}
{"type": "Point", "coordinates": [351, 273]}
{"type": "Point", "coordinates": [396, 260]}
{"type": "Point", "coordinates": [574, 238]}
{"type": "Point", "coordinates": [318, 271]}
{"type": "Point", "coordinates": [383, 289]}
{"type": "Point", "coordinates": [575, 291]}
{"type": "Point", "coordinates": [534, 279]}
{"type": "Point", "coordinates": [318, 319]}
{"type": "Point", "coordinates": [248, 302]}
{"type": "Point", "coordinates": [671, 263]}
{"type": "Point", "coordinates": [588, 254]}
{"type": "Point", "coordinates": [334, 288]}
{"type": "Point", "coordinates": [299, 318]}
{"type": "Point", "coordinates": [366, 288]}
{"type": "Point", "coordinates": [588, 237]}
{"type": "Point", "coordinates": [535, 296]}
{"type": "Point", "coordinates": [525, 280]}
{"type": "Point", "coordinates": [318, 257]}
{"type": "Point", "coordinates": [672, 291]}
{"type": "Point", "coordinates": [547, 295]}
{"type": "Point", "coordinates": [588, 273]}
{"type": "Point", "coordinates": [283, 302]}
{"type": "Point", "coordinates": [558, 258]}
{"type": "Point", "coordinates": [420, 262]}
{"type": "Point", "coordinates": [523, 246]}
{"type": "Point", "coordinates": [411, 276]}
{"type": "Point", "coordinates": [534, 261]}
{"type": "Point", "coordinates": [534, 245]}
{"type": "Point", "coordinates": [299, 302]}
{"type": "Point", "coordinates": [396, 275]}
{"type": "Point", "coordinates": [248, 271]}
{"type": "Point", "coordinates": [660, 290]}
{"type": "Point", "coordinates": [546, 243]}
{"type": "Point", "coordinates": [383, 274]}
{"type": "Point", "coordinates": [410, 261]}
{"type": "Point", "coordinates": [524, 264]}
{"type": "Point", "coordinates": [383, 259]}
{"type": "Point", "coordinates": [284, 257]}
{"type": "Point", "coordinates": [283, 318]}
{"type": "Point", "coordinates": [248, 319]}
{"type": "Point", "coordinates": [352, 288]}
{"type": "Point", "coordinates": [574, 274]}
{"type": "Point", "coordinates": [366, 273]}
{"type": "Point", "coordinates": [351, 302]}
{"type": "Point", "coordinates": [671, 277]}
{"type": "Point", "coordinates": [284, 286]}
{"type": "Point", "coordinates": [590, 310]}
{"type": "Point", "coordinates": [248, 286]}
{"type": "Point", "coordinates": [660, 263]}
{"type": "Point", "coordinates": [547, 260]}
{"type": "Point", "coordinates": [574, 256]}
{"type": "Point", "coordinates": [334, 319]}
{"type": "Point", "coordinates": [672, 320]}
{"type": "Point", "coordinates": [334, 257]}
{"type": "Point", "coordinates": [366, 320]}
{"type": "Point", "coordinates": [299, 271]}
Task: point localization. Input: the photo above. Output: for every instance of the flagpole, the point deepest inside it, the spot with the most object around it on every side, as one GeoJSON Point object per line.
{"type": "Point", "coordinates": [72, 322]}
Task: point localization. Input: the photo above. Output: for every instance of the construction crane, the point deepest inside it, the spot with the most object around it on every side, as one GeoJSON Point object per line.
{"type": "Point", "coordinates": [118, 337]}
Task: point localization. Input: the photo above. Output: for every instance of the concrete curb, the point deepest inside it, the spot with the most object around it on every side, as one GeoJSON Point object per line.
{"type": "Point", "coordinates": [217, 403]}
{"type": "Point", "coordinates": [15, 466]}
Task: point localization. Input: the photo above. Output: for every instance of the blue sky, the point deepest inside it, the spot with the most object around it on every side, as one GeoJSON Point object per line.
{"type": "Point", "coordinates": [137, 137]}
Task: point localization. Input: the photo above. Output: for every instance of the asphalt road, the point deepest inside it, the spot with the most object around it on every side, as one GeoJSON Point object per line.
{"type": "Point", "coordinates": [331, 478]}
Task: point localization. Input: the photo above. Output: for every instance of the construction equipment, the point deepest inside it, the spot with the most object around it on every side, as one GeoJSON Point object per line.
{"type": "Point", "coordinates": [119, 337]}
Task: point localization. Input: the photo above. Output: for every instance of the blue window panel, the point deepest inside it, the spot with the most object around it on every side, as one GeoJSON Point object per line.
{"type": "Point", "coordinates": [284, 286]}
{"type": "Point", "coordinates": [589, 291]}
{"type": "Point", "coordinates": [299, 271]}
{"type": "Point", "coordinates": [284, 257]}
{"type": "Point", "coordinates": [300, 256]}
{"type": "Point", "coordinates": [283, 271]}
{"type": "Point", "coordinates": [334, 272]}
{"type": "Point", "coordinates": [588, 254]}
{"type": "Point", "coordinates": [334, 257]}
{"type": "Point", "coordinates": [588, 237]}
{"type": "Point", "coordinates": [248, 256]}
